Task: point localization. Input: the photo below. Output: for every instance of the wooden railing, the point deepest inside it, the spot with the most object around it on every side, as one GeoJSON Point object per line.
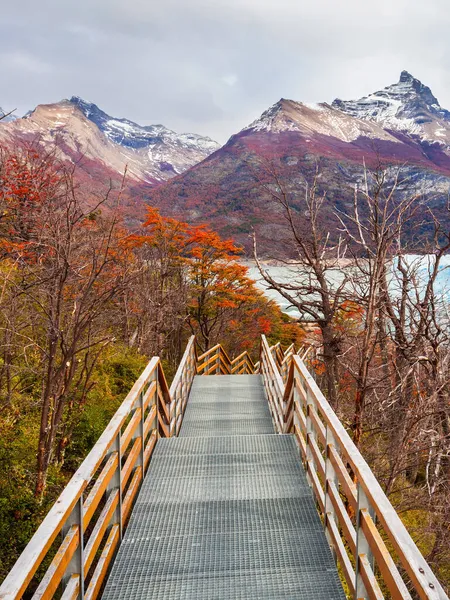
{"type": "Point", "coordinates": [307, 354]}
{"type": "Point", "coordinates": [181, 385]}
{"type": "Point", "coordinates": [273, 384]}
{"type": "Point", "coordinates": [92, 511]}
{"type": "Point", "coordinates": [359, 520]}
{"type": "Point", "coordinates": [216, 361]}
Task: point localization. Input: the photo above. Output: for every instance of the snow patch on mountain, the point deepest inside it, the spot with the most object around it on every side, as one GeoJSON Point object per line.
{"type": "Point", "coordinates": [309, 119]}
{"type": "Point", "coordinates": [130, 134]}
{"type": "Point", "coordinates": [165, 152]}
{"type": "Point", "coordinates": [149, 154]}
{"type": "Point", "coordinates": [408, 106]}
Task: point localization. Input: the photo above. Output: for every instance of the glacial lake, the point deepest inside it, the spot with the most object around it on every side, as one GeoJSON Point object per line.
{"type": "Point", "coordinates": [285, 273]}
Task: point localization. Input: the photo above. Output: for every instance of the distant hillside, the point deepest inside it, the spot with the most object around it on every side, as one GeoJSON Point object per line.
{"type": "Point", "coordinates": [84, 133]}
{"type": "Point", "coordinates": [400, 125]}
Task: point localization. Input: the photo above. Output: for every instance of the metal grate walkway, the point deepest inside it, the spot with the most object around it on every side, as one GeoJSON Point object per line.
{"type": "Point", "coordinates": [225, 511]}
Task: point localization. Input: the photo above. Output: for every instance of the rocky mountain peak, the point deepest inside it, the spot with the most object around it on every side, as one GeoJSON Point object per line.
{"type": "Point", "coordinates": [152, 153]}
{"type": "Point", "coordinates": [132, 135]}
{"type": "Point", "coordinates": [407, 106]}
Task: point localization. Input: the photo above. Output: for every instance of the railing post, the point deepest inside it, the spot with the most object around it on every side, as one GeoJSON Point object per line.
{"type": "Point", "coordinates": [362, 545]}
{"type": "Point", "coordinates": [116, 484]}
{"type": "Point", "coordinates": [310, 431]}
{"type": "Point", "coordinates": [218, 361]}
{"type": "Point", "coordinates": [177, 398]}
{"type": "Point", "coordinates": [141, 429]}
{"type": "Point", "coordinates": [158, 426]}
{"type": "Point", "coordinates": [296, 402]}
{"type": "Point", "coordinates": [330, 478]}
{"type": "Point", "coordinates": [76, 565]}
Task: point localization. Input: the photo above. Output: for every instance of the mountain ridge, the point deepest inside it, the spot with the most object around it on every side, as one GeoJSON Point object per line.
{"type": "Point", "coordinates": [342, 137]}
{"type": "Point", "coordinates": [152, 154]}
{"type": "Point", "coordinates": [191, 177]}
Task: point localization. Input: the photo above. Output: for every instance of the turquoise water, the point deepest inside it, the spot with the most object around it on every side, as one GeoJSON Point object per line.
{"type": "Point", "coordinates": [420, 264]}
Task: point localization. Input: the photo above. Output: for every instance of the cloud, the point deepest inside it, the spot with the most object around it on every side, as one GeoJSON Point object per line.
{"type": "Point", "coordinates": [230, 79]}
{"type": "Point", "coordinates": [212, 66]}
{"type": "Point", "coordinates": [24, 62]}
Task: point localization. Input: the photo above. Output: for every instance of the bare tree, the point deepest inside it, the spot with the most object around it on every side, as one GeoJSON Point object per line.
{"type": "Point", "coordinates": [317, 287]}
{"type": "Point", "coordinates": [374, 230]}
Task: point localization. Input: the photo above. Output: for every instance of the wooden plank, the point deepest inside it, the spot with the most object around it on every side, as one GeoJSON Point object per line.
{"type": "Point", "coordinates": [131, 461]}
{"type": "Point", "coordinates": [129, 431]}
{"type": "Point", "coordinates": [131, 493]}
{"type": "Point", "coordinates": [58, 566]}
{"type": "Point", "coordinates": [318, 425]}
{"type": "Point", "coordinates": [342, 516]}
{"type": "Point", "coordinates": [149, 448]}
{"type": "Point", "coordinates": [225, 366]}
{"type": "Point", "coordinates": [165, 427]}
{"type": "Point", "coordinates": [208, 352]}
{"type": "Point", "coordinates": [96, 493]}
{"type": "Point", "coordinates": [318, 491]}
{"type": "Point", "coordinates": [301, 417]}
{"type": "Point", "coordinates": [183, 367]}
{"type": "Point", "coordinates": [149, 394]}
{"type": "Point", "coordinates": [345, 480]}
{"type": "Point", "coordinates": [276, 377]}
{"type": "Point", "coordinates": [301, 392]}
{"type": "Point", "coordinates": [99, 530]}
{"type": "Point", "coordinates": [341, 553]}
{"type": "Point", "coordinates": [102, 566]}
{"type": "Point", "coordinates": [371, 584]}
{"type": "Point", "coordinates": [149, 420]}
{"type": "Point", "coordinates": [391, 576]}
{"type": "Point", "coordinates": [224, 354]}
{"type": "Point", "coordinates": [72, 589]}
{"type": "Point", "coordinates": [318, 458]}
{"type": "Point", "coordinates": [419, 572]}
{"type": "Point", "coordinates": [205, 364]}
{"type": "Point", "coordinates": [164, 405]}
{"type": "Point", "coordinates": [301, 441]}
{"type": "Point", "coordinates": [289, 408]}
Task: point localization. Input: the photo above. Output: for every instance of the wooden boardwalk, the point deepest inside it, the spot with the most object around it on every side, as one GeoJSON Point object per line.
{"type": "Point", "coordinates": [222, 487]}
{"type": "Point", "coordinates": [225, 511]}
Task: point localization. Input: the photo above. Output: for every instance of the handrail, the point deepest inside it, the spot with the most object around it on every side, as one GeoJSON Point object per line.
{"type": "Point", "coordinates": [181, 385]}
{"type": "Point", "coordinates": [216, 361]}
{"type": "Point", "coordinates": [273, 384]}
{"type": "Point", "coordinates": [109, 477]}
{"type": "Point", "coordinates": [355, 510]}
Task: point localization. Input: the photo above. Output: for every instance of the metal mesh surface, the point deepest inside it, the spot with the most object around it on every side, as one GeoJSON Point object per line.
{"type": "Point", "coordinates": [223, 514]}
{"type": "Point", "coordinates": [222, 405]}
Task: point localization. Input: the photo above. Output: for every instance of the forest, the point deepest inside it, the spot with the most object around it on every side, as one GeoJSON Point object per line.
{"type": "Point", "coordinates": [85, 302]}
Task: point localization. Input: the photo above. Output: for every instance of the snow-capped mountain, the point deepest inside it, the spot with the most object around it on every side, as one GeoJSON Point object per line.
{"type": "Point", "coordinates": [151, 154]}
{"type": "Point", "coordinates": [401, 126]}
{"type": "Point", "coordinates": [130, 134]}
{"type": "Point", "coordinates": [407, 106]}
{"type": "Point", "coordinates": [310, 119]}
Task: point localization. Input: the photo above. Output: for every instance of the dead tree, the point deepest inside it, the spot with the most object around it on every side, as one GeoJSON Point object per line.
{"type": "Point", "coordinates": [313, 289]}
{"type": "Point", "coordinates": [373, 230]}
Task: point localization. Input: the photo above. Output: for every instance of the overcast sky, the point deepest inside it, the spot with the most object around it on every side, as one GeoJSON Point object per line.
{"type": "Point", "coordinates": [212, 67]}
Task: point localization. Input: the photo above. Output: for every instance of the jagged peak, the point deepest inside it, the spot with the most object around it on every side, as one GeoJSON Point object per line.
{"type": "Point", "coordinates": [406, 76]}
{"type": "Point", "coordinates": [407, 105]}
